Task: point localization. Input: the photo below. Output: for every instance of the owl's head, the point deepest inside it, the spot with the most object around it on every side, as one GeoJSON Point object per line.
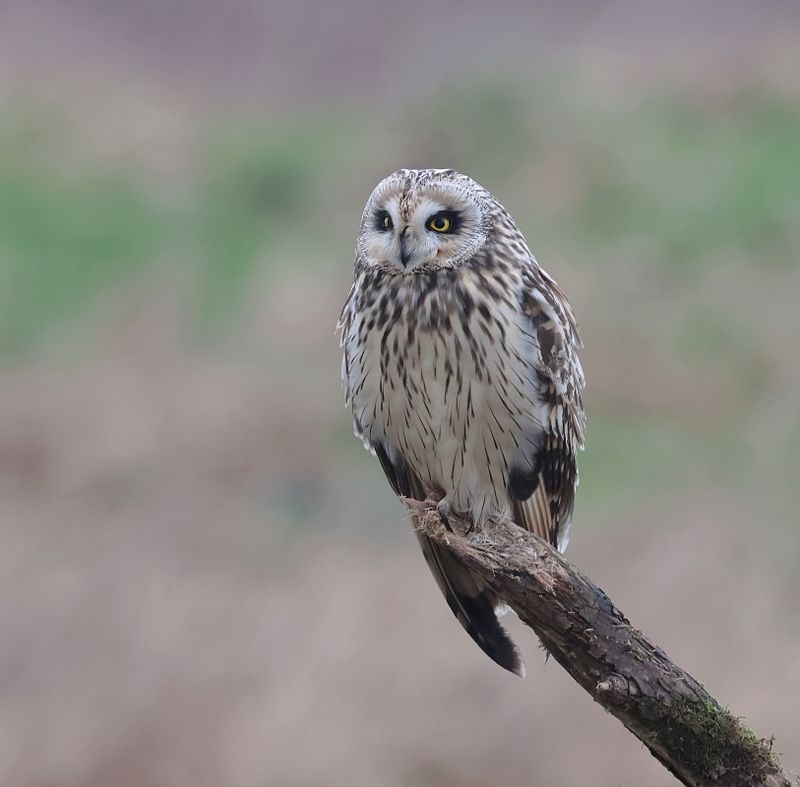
{"type": "Point", "coordinates": [419, 220]}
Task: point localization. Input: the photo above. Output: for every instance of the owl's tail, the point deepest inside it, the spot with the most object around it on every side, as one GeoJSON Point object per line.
{"type": "Point", "coordinates": [473, 604]}
{"type": "Point", "coordinates": [467, 595]}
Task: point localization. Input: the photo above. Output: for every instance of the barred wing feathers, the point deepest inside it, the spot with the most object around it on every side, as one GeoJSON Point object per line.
{"type": "Point", "coordinates": [543, 498]}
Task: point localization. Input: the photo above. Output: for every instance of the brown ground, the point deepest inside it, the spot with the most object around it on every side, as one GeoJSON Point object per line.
{"type": "Point", "coordinates": [205, 582]}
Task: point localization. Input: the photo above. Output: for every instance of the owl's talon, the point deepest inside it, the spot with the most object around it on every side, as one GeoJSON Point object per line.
{"type": "Point", "coordinates": [443, 509]}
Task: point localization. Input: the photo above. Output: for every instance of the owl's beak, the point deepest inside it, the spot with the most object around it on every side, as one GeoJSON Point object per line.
{"type": "Point", "coordinates": [405, 253]}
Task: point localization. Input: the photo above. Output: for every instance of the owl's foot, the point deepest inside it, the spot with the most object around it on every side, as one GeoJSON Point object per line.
{"type": "Point", "coordinates": [443, 507]}
{"type": "Point", "coordinates": [444, 510]}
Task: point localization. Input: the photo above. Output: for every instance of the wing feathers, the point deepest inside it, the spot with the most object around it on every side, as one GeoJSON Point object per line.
{"type": "Point", "coordinates": [547, 508]}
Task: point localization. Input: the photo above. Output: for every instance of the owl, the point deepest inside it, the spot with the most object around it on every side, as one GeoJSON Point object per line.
{"type": "Point", "coordinates": [462, 371]}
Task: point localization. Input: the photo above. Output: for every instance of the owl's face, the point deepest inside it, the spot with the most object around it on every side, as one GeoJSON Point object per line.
{"type": "Point", "coordinates": [420, 220]}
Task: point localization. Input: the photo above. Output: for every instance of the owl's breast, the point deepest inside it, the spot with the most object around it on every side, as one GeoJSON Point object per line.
{"type": "Point", "coordinates": [445, 377]}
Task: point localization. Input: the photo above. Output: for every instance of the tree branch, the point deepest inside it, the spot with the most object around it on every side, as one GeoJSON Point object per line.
{"type": "Point", "coordinates": [684, 727]}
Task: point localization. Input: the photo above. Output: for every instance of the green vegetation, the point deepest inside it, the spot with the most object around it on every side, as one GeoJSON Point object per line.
{"type": "Point", "coordinates": [256, 186]}
{"type": "Point", "coordinates": [65, 237]}
{"type": "Point", "coordinates": [61, 243]}
{"type": "Point", "coordinates": [699, 182]}
{"type": "Point", "coordinates": [677, 189]}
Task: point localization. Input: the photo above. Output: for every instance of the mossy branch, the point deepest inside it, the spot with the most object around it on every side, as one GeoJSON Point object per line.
{"type": "Point", "coordinates": [700, 742]}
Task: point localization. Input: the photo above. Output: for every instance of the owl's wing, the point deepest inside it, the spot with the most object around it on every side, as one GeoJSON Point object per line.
{"type": "Point", "coordinates": [543, 492]}
{"type": "Point", "coordinates": [343, 328]}
{"type": "Point", "coordinates": [470, 600]}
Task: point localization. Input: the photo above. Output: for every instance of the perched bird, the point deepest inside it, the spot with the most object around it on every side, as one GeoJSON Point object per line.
{"type": "Point", "coordinates": [461, 368]}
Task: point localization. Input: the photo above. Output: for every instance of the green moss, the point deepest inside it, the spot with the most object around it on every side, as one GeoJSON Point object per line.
{"type": "Point", "coordinates": [711, 741]}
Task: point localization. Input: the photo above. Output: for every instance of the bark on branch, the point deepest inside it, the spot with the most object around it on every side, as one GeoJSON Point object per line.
{"type": "Point", "coordinates": [681, 724]}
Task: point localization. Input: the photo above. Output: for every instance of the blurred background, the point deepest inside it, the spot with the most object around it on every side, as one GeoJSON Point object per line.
{"type": "Point", "coordinates": [205, 580]}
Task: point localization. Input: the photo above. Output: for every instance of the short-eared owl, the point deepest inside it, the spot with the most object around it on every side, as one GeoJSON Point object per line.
{"type": "Point", "coordinates": [461, 368]}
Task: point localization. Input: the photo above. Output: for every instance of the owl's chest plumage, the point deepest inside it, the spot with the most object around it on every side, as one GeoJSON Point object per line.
{"type": "Point", "coordinates": [440, 369]}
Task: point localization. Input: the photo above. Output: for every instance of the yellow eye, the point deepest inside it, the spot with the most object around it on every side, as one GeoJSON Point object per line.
{"type": "Point", "coordinates": [440, 224]}
{"type": "Point", "coordinates": [387, 222]}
